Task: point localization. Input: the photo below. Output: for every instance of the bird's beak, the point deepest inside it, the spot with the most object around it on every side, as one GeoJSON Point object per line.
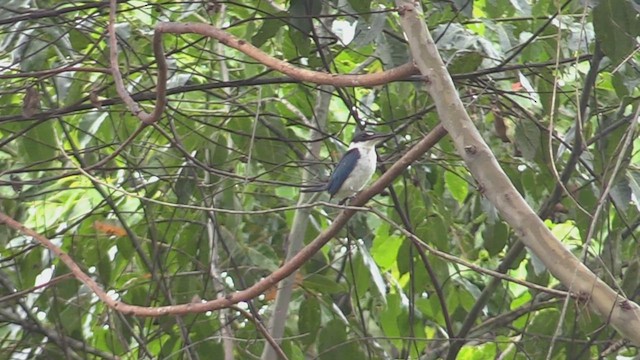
{"type": "Point", "coordinates": [381, 137]}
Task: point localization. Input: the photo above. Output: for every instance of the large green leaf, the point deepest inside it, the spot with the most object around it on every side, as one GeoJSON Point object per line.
{"type": "Point", "coordinates": [309, 319]}
{"type": "Point", "coordinates": [333, 343]}
{"type": "Point", "coordinates": [616, 25]}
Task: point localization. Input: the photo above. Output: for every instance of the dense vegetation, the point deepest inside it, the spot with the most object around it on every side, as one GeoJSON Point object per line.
{"type": "Point", "coordinates": [205, 201]}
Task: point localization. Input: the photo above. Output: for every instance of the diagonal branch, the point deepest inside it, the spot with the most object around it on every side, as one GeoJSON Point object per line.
{"type": "Point", "coordinates": [621, 313]}
{"type": "Point", "coordinates": [253, 291]}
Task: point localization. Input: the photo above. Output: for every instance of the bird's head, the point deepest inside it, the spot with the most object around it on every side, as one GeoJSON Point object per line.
{"type": "Point", "coordinates": [368, 138]}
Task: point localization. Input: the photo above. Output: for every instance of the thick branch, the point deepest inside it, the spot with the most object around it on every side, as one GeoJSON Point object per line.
{"type": "Point", "coordinates": [622, 313]}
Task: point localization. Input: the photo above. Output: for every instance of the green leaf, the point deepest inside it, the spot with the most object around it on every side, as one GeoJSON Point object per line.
{"type": "Point", "coordinates": [467, 295]}
{"type": "Point", "coordinates": [71, 87]}
{"type": "Point", "coordinates": [301, 12]}
{"type": "Point", "coordinates": [332, 340]}
{"type": "Point", "coordinates": [39, 142]}
{"type": "Point", "coordinates": [32, 51]}
{"type": "Point", "coordinates": [108, 339]}
{"type": "Point", "coordinates": [28, 265]}
{"type": "Point", "coordinates": [630, 281]}
{"type": "Point", "coordinates": [186, 184]}
{"type": "Point", "coordinates": [309, 319]}
{"type": "Point", "coordinates": [360, 6]}
{"type": "Point", "coordinates": [545, 90]}
{"type": "Point", "coordinates": [544, 322]}
{"type": "Point", "coordinates": [323, 284]}
{"type": "Point", "coordinates": [268, 30]}
{"type": "Point", "coordinates": [333, 343]}
{"type": "Point", "coordinates": [104, 266]}
{"type": "Point", "coordinates": [66, 289]}
{"type": "Point", "coordinates": [360, 276]}
{"type": "Point", "coordinates": [478, 352]}
{"type": "Point", "coordinates": [608, 146]}
{"type": "Point", "coordinates": [527, 138]}
{"type": "Point", "coordinates": [392, 51]}
{"type": "Point", "coordinates": [621, 194]}
{"type": "Point", "coordinates": [536, 272]}
{"type": "Point", "coordinates": [209, 349]}
{"type": "Point", "coordinates": [262, 256]}
{"type": "Point", "coordinates": [457, 185]}
{"type": "Point", "coordinates": [369, 29]}
{"type": "Point", "coordinates": [464, 7]}
{"type": "Point", "coordinates": [301, 42]}
{"type": "Point", "coordinates": [466, 63]}
{"type": "Point", "coordinates": [170, 346]}
{"type": "Point", "coordinates": [374, 273]}
{"type": "Point", "coordinates": [495, 237]}
{"type": "Point", "coordinates": [404, 258]}
{"type": "Point", "coordinates": [385, 247]}
{"type": "Point", "coordinates": [435, 231]}
{"type": "Point", "coordinates": [201, 334]}
{"type": "Point", "coordinates": [616, 25]}
{"type": "Point", "coordinates": [292, 351]}
{"type": "Point", "coordinates": [69, 319]}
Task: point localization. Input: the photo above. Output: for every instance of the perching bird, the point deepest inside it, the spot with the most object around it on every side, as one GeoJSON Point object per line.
{"type": "Point", "coordinates": [355, 168]}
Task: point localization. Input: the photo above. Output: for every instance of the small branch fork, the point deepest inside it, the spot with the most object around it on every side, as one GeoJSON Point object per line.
{"type": "Point", "coordinates": [161, 86]}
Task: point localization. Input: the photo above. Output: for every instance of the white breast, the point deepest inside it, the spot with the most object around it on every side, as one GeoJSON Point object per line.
{"type": "Point", "coordinates": [361, 174]}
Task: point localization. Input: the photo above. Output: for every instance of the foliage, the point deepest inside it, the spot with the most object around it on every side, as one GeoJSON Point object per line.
{"type": "Point", "coordinates": [191, 208]}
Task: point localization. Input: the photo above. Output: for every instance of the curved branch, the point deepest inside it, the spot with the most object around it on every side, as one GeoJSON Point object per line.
{"type": "Point", "coordinates": [255, 81]}
{"type": "Point", "coordinates": [227, 39]}
{"type": "Point", "coordinates": [161, 86]}
{"type": "Point", "coordinates": [316, 77]}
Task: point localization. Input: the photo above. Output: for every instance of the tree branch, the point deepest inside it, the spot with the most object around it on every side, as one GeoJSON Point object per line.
{"type": "Point", "coordinates": [161, 85]}
{"type": "Point", "coordinates": [251, 292]}
{"type": "Point", "coordinates": [621, 313]}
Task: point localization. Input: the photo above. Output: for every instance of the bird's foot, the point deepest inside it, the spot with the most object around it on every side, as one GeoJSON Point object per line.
{"type": "Point", "coordinates": [345, 200]}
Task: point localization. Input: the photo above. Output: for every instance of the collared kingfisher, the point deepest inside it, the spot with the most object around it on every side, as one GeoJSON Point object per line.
{"type": "Point", "coordinates": [355, 168]}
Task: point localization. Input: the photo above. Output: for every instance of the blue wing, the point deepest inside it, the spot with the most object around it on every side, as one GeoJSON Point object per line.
{"type": "Point", "coordinates": [342, 171]}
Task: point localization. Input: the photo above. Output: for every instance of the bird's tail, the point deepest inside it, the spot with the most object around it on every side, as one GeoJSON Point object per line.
{"type": "Point", "coordinates": [313, 188]}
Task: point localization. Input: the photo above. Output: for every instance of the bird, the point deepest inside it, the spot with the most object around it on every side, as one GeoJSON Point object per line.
{"type": "Point", "coordinates": [355, 169]}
